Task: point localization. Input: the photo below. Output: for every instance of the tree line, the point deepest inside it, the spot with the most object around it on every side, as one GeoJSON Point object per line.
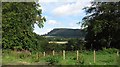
{"type": "Point", "coordinates": [102, 24]}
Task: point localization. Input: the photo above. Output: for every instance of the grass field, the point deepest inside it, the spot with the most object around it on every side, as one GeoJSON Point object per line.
{"type": "Point", "coordinates": [85, 58]}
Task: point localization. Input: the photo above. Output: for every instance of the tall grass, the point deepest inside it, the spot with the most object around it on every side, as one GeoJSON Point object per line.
{"type": "Point", "coordinates": [103, 57]}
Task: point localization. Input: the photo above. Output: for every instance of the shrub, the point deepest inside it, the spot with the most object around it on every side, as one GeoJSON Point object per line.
{"type": "Point", "coordinates": [56, 47]}
{"type": "Point", "coordinates": [23, 55]}
{"type": "Point", "coordinates": [51, 60]}
{"type": "Point", "coordinates": [118, 61]}
{"type": "Point", "coordinates": [75, 44]}
{"type": "Point", "coordinates": [110, 50]}
{"type": "Point", "coordinates": [80, 60]}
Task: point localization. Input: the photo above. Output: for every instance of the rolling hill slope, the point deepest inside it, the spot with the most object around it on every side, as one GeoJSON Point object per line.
{"type": "Point", "coordinates": [66, 33]}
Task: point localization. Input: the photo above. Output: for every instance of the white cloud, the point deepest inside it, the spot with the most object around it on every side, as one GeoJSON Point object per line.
{"type": "Point", "coordinates": [48, 0]}
{"type": "Point", "coordinates": [63, 0]}
{"type": "Point", "coordinates": [53, 22]}
{"type": "Point", "coordinates": [74, 8]}
{"type": "Point", "coordinates": [71, 24]}
{"type": "Point", "coordinates": [42, 32]}
{"type": "Point", "coordinates": [73, 27]}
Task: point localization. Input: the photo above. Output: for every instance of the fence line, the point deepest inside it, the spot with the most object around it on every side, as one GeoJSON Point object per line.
{"type": "Point", "coordinates": [44, 54]}
{"type": "Point", "coordinates": [94, 56]}
{"type": "Point", "coordinates": [77, 54]}
{"type": "Point", "coordinates": [63, 54]}
{"type": "Point", "coordinates": [53, 52]}
{"type": "Point", "coordinates": [117, 52]}
{"type": "Point", "coordinates": [37, 55]}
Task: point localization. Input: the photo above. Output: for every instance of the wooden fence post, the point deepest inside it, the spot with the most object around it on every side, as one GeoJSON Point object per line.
{"type": "Point", "coordinates": [53, 52]}
{"type": "Point", "coordinates": [118, 53]}
{"type": "Point", "coordinates": [43, 53]}
{"type": "Point", "coordinates": [94, 57]}
{"type": "Point", "coordinates": [37, 55]}
{"type": "Point", "coordinates": [63, 54]}
{"type": "Point", "coordinates": [77, 54]}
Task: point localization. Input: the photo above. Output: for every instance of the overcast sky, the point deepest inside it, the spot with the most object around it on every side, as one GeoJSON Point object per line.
{"type": "Point", "coordinates": [61, 14]}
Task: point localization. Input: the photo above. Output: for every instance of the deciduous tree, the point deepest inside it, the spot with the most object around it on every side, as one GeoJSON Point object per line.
{"type": "Point", "coordinates": [18, 19]}
{"type": "Point", "coordinates": [103, 25]}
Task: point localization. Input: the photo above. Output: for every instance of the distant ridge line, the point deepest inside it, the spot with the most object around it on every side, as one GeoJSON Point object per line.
{"type": "Point", "coordinates": [66, 32]}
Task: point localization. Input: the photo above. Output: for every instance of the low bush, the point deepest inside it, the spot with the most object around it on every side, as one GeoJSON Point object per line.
{"type": "Point", "coordinates": [75, 44]}
{"type": "Point", "coordinates": [118, 61]}
{"type": "Point", "coordinates": [52, 60]}
{"type": "Point", "coordinates": [109, 50]}
{"type": "Point", "coordinates": [80, 60]}
{"type": "Point", "coordinates": [56, 47]}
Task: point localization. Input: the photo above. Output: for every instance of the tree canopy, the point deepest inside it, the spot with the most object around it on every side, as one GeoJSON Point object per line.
{"type": "Point", "coordinates": [103, 25]}
{"type": "Point", "coordinates": [18, 19]}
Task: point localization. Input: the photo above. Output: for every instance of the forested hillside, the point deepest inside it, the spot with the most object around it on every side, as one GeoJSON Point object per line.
{"type": "Point", "coordinates": [67, 33]}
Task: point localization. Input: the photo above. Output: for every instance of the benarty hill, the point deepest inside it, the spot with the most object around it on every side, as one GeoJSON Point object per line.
{"type": "Point", "coordinates": [66, 33]}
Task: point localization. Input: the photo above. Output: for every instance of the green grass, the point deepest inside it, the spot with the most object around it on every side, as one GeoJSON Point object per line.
{"type": "Point", "coordinates": [107, 59]}
{"type": "Point", "coordinates": [85, 58]}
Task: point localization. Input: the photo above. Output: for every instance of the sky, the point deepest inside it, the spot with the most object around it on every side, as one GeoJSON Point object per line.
{"type": "Point", "coordinates": [61, 14]}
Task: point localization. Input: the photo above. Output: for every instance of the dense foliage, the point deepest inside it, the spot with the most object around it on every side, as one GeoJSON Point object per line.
{"type": "Point", "coordinates": [55, 46]}
{"type": "Point", "coordinates": [72, 45]}
{"type": "Point", "coordinates": [75, 44]}
{"type": "Point", "coordinates": [18, 19]}
{"type": "Point", "coordinates": [103, 25]}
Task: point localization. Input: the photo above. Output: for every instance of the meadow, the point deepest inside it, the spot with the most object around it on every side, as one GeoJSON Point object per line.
{"type": "Point", "coordinates": [106, 57]}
